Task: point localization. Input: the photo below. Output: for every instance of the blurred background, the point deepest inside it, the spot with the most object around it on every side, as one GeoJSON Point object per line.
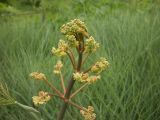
{"type": "Point", "coordinates": [129, 35]}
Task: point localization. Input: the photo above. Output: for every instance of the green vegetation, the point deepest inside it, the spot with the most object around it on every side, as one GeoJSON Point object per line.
{"type": "Point", "coordinates": [129, 35]}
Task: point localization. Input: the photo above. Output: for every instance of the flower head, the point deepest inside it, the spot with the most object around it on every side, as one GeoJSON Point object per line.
{"type": "Point", "coordinates": [93, 79]}
{"type": "Point", "coordinates": [100, 66]}
{"type": "Point", "coordinates": [42, 98]}
{"type": "Point", "coordinates": [38, 76]}
{"type": "Point", "coordinates": [73, 27]}
{"type": "Point", "coordinates": [72, 42]}
{"type": "Point", "coordinates": [81, 77]}
{"type": "Point", "coordinates": [84, 77]}
{"type": "Point", "coordinates": [90, 45]}
{"type": "Point", "coordinates": [88, 114]}
{"type": "Point", "coordinates": [58, 67]}
{"type": "Point", "coordinates": [61, 50]}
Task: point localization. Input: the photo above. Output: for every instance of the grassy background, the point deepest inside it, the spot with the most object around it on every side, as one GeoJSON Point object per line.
{"type": "Point", "coordinates": [128, 90]}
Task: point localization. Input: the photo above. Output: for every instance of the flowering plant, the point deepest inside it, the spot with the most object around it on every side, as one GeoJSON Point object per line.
{"type": "Point", "coordinates": [76, 37]}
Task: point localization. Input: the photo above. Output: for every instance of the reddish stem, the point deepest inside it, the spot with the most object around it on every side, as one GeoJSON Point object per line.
{"type": "Point", "coordinates": [77, 106]}
{"type": "Point", "coordinates": [72, 81]}
{"type": "Point", "coordinates": [55, 89]}
{"type": "Point", "coordinates": [72, 60]}
{"type": "Point", "coordinates": [78, 90]}
{"type": "Point", "coordinates": [62, 82]}
{"type": "Point", "coordinates": [87, 70]}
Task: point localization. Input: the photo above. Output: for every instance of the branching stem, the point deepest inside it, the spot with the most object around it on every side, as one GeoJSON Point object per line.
{"type": "Point", "coordinates": [72, 55]}
{"type": "Point", "coordinates": [76, 105]}
{"type": "Point", "coordinates": [68, 101]}
{"type": "Point", "coordinates": [78, 90]}
{"type": "Point", "coordinates": [87, 70]}
{"type": "Point", "coordinates": [51, 86]}
{"type": "Point", "coordinates": [85, 58]}
{"type": "Point", "coordinates": [52, 94]}
{"type": "Point", "coordinates": [62, 82]}
{"type": "Point", "coordinates": [72, 60]}
{"type": "Point", "coordinates": [72, 81]}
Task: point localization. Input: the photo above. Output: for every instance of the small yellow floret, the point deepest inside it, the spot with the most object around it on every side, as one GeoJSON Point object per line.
{"type": "Point", "coordinates": [84, 77]}
{"type": "Point", "coordinates": [90, 45]}
{"type": "Point", "coordinates": [38, 76]}
{"type": "Point", "coordinates": [42, 98]}
{"type": "Point", "coordinates": [61, 50]}
{"type": "Point", "coordinates": [93, 79]}
{"type": "Point", "coordinates": [100, 66]}
{"type": "Point", "coordinates": [81, 77]}
{"type": "Point", "coordinates": [73, 27]}
{"type": "Point", "coordinates": [72, 42]}
{"type": "Point", "coordinates": [58, 67]}
{"type": "Point", "coordinates": [88, 114]}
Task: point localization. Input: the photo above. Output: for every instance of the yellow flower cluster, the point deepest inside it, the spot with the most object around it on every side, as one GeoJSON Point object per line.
{"type": "Point", "coordinates": [61, 50]}
{"type": "Point", "coordinates": [93, 79]}
{"type": "Point", "coordinates": [58, 67]}
{"type": "Point", "coordinates": [84, 77]}
{"type": "Point", "coordinates": [38, 76]}
{"type": "Point", "coordinates": [72, 42]}
{"type": "Point", "coordinates": [100, 66]}
{"type": "Point", "coordinates": [88, 114]}
{"type": "Point", "coordinates": [90, 45]}
{"type": "Point", "coordinates": [76, 35]}
{"type": "Point", "coordinates": [72, 30]}
{"type": "Point", "coordinates": [73, 27]}
{"type": "Point", "coordinates": [42, 98]}
{"type": "Point", "coordinates": [81, 77]}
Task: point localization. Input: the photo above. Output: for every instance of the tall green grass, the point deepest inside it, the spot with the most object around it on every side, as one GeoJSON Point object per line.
{"type": "Point", "coordinates": [128, 90]}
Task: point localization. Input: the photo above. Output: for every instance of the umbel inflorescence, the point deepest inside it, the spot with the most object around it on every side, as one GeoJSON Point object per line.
{"type": "Point", "coordinates": [76, 37]}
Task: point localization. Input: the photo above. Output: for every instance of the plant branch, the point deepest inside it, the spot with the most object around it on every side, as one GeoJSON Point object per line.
{"type": "Point", "coordinates": [62, 82]}
{"type": "Point", "coordinates": [61, 97]}
{"type": "Point", "coordinates": [87, 70]}
{"type": "Point", "coordinates": [55, 89]}
{"type": "Point", "coordinates": [78, 90]}
{"type": "Point", "coordinates": [85, 59]}
{"type": "Point", "coordinates": [72, 81]}
{"type": "Point", "coordinates": [76, 105]}
{"type": "Point", "coordinates": [72, 60]}
{"type": "Point", "coordinates": [52, 94]}
{"type": "Point", "coordinates": [72, 55]}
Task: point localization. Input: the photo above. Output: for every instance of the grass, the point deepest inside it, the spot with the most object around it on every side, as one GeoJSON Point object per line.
{"type": "Point", "coordinates": [128, 90]}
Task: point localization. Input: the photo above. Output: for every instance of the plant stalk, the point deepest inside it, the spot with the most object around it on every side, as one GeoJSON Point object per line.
{"type": "Point", "coordinates": [69, 88]}
{"type": "Point", "coordinates": [78, 90]}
